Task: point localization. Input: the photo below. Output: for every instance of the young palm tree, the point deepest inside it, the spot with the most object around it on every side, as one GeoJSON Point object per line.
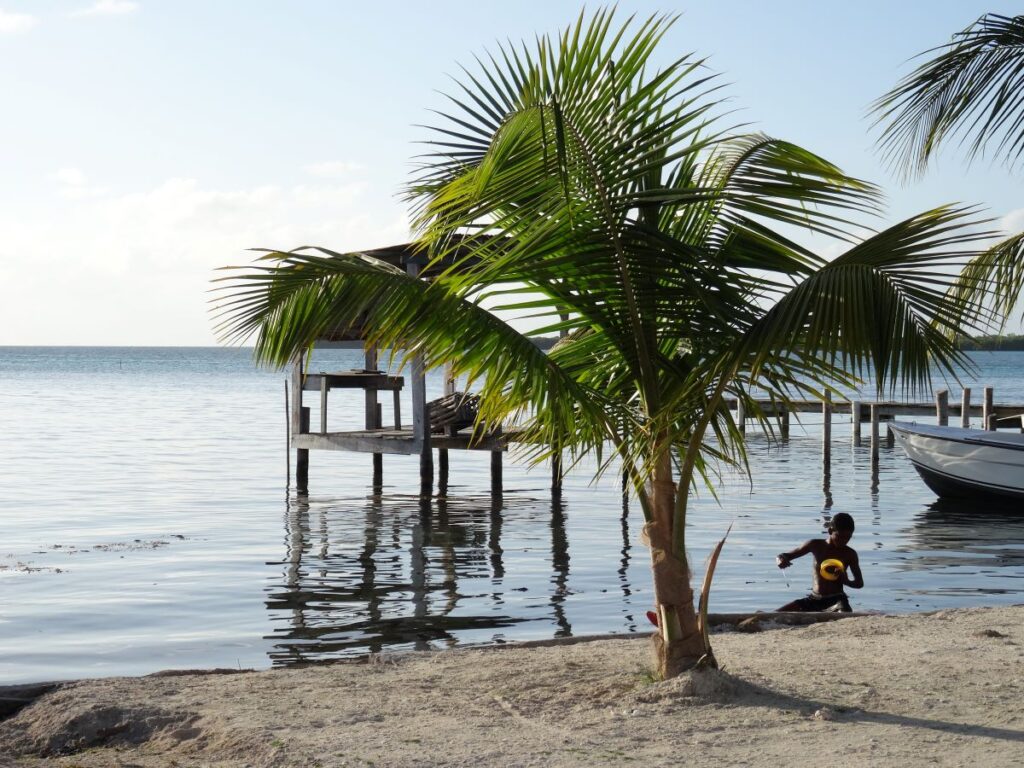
{"type": "Point", "coordinates": [969, 89]}
{"type": "Point", "coordinates": [576, 182]}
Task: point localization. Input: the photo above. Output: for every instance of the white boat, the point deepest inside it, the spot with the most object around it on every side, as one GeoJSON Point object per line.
{"type": "Point", "coordinates": [965, 462]}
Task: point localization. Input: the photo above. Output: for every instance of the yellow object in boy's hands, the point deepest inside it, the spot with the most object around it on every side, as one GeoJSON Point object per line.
{"type": "Point", "coordinates": [830, 569]}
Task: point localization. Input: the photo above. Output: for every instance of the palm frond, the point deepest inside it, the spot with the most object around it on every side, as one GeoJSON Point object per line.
{"type": "Point", "coordinates": [995, 280]}
{"type": "Point", "coordinates": [885, 306]}
{"type": "Point", "coordinates": [972, 87]}
{"type": "Point", "coordinates": [291, 299]}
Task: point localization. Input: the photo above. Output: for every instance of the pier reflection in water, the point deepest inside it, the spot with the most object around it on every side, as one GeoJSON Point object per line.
{"type": "Point", "coordinates": [399, 573]}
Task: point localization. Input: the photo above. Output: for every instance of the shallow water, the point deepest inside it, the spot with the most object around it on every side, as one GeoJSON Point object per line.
{"type": "Point", "coordinates": [147, 525]}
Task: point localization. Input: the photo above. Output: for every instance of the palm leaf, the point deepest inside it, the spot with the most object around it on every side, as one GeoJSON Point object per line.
{"type": "Point", "coordinates": [995, 279]}
{"type": "Point", "coordinates": [972, 87]}
{"type": "Point", "coordinates": [292, 299]}
{"type": "Point", "coordinates": [885, 304]}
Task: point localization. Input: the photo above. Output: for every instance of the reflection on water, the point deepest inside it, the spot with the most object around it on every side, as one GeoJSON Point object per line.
{"type": "Point", "coordinates": [160, 539]}
{"type": "Point", "coordinates": [394, 572]}
{"type": "Point", "coordinates": [962, 540]}
{"type": "Point", "coordinates": [402, 573]}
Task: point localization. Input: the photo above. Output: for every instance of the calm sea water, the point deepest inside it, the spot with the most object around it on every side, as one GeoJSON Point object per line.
{"type": "Point", "coordinates": [147, 524]}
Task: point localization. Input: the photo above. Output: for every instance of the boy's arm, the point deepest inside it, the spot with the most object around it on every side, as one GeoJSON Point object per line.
{"type": "Point", "coordinates": [854, 565]}
{"type": "Point", "coordinates": [784, 559]}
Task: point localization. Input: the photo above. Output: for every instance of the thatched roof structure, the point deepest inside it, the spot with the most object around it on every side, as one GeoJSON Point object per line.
{"type": "Point", "coordinates": [410, 257]}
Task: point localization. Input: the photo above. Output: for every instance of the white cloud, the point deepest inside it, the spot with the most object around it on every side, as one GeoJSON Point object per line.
{"type": "Point", "coordinates": [72, 177]}
{"type": "Point", "coordinates": [73, 184]}
{"type": "Point", "coordinates": [14, 23]}
{"type": "Point", "coordinates": [107, 8]}
{"type": "Point", "coordinates": [136, 268]}
{"type": "Point", "coordinates": [1012, 222]}
{"type": "Point", "coordinates": [333, 169]}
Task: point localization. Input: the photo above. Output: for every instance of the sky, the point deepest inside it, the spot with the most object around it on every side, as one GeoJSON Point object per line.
{"type": "Point", "coordinates": [146, 143]}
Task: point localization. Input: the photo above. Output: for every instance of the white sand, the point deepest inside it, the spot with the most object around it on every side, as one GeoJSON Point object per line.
{"type": "Point", "coordinates": [939, 689]}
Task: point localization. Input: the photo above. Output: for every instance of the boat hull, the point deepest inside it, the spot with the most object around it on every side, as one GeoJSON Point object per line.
{"type": "Point", "coordinates": [965, 463]}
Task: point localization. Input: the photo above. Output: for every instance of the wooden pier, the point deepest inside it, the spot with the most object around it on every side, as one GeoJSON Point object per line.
{"type": "Point", "coordinates": [418, 438]}
{"type": "Point", "coordinates": [377, 437]}
{"type": "Point", "coordinates": [415, 435]}
{"type": "Point", "coordinates": [990, 415]}
{"type": "Point", "coordinates": [412, 436]}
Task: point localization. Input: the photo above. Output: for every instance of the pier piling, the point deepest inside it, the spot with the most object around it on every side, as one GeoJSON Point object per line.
{"type": "Point", "coordinates": [496, 479]}
{"type": "Point", "coordinates": [942, 407]}
{"type": "Point", "coordinates": [874, 408]}
{"type": "Point", "coordinates": [302, 455]}
{"type": "Point", "coordinates": [448, 388]}
{"type": "Point", "coordinates": [987, 422]}
{"type": "Point", "coordinates": [372, 417]}
{"type": "Point", "coordinates": [965, 408]}
{"type": "Point", "coordinates": [826, 428]}
{"type": "Point", "coordinates": [556, 472]}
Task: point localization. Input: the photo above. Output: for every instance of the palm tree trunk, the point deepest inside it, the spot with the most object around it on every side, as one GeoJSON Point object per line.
{"type": "Point", "coordinates": [678, 644]}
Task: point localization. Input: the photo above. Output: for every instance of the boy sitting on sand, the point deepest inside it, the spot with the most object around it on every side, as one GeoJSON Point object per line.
{"type": "Point", "coordinates": [832, 558]}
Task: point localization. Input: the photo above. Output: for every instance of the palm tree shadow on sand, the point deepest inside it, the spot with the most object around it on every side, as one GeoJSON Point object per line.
{"type": "Point", "coordinates": [721, 687]}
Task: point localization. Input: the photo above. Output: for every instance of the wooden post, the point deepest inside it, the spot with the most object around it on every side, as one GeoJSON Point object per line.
{"type": "Point", "coordinates": [741, 416]}
{"type": "Point", "coordinates": [874, 432]}
{"type": "Point", "coordinates": [826, 427]}
{"type": "Point", "coordinates": [371, 416]}
{"type": "Point", "coordinates": [398, 409]}
{"type": "Point", "coordinates": [785, 423]}
{"type": "Point", "coordinates": [297, 377]}
{"type": "Point", "coordinates": [556, 473]}
{"type": "Point", "coordinates": [992, 424]}
{"type": "Point", "coordinates": [378, 459]}
{"type": "Point", "coordinates": [496, 481]}
{"type": "Point", "coordinates": [855, 420]}
{"type": "Point", "coordinates": [287, 438]}
{"type": "Point", "coordinates": [625, 495]}
{"type": "Point", "coordinates": [442, 453]}
{"type": "Point", "coordinates": [942, 407]}
{"type": "Point", "coordinates": [302, 456]}
{"type": "Point", "coordinates": [965, 408]}
{"type": "Point", "coordinates": [300, 425]}
{"type": "Point", "coordinates": [420, 413]}
{"type": "Point", "coordinates": [986, 409]}
{"type": "Point", "coordinates": [442, 471]}
{"type": "Point", "coordinates": [323, 405]}
{"type": "Point", "coordinates": [496, 477]}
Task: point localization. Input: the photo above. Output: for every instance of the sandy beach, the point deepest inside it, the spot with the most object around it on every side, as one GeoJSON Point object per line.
{"type": "Point", "coordinates": [931, 689]}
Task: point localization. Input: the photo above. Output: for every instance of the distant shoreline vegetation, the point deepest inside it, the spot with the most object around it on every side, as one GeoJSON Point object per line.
{"type": "Point", "coordinates": [1009, 342]}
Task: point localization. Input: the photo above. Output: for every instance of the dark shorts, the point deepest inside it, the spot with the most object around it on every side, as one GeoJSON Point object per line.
{"type": "Point", "coordinates": [814, 602]}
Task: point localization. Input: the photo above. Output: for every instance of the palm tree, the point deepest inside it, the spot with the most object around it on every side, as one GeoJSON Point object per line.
{"type": "Point", "coordinates": [972, 89]}
{"type": "Point", "coordinates": [575, 182]}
